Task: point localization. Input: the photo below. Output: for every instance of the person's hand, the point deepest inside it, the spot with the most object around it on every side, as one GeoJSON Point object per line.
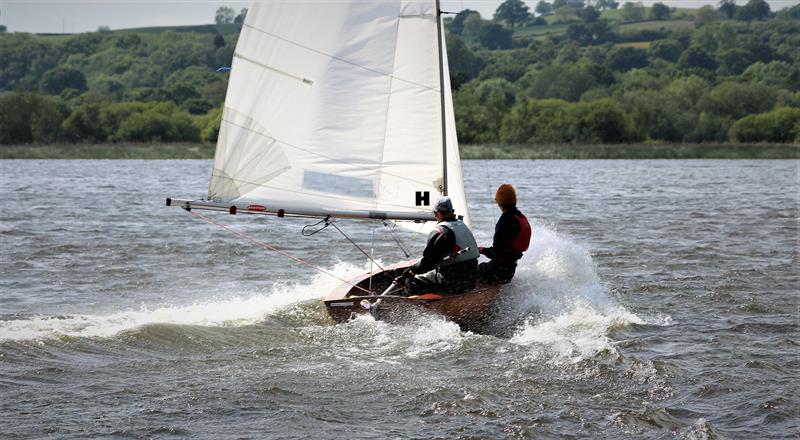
{"type": "Point", "coordinates": [480, 250]}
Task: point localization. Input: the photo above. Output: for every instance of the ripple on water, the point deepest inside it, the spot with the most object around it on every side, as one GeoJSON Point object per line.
{"type": "Point", "coordinates": [138, 321]}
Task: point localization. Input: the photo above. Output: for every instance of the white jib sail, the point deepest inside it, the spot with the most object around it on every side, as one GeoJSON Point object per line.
{"type": "Point", "coordinates": [336, 106]}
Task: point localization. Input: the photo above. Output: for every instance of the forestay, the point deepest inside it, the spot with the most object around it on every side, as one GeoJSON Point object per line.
{"type": "Point", "coordinates": [337, 106]}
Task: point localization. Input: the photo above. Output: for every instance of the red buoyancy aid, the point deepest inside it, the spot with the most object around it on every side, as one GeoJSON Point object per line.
{"type": "Point", "coordinates": [522, 240]}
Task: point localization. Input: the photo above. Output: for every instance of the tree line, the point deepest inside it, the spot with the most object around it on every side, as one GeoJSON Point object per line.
{"type": "Point", "coordinates": [725, 74]}
{"type": "Point", "coordinates": [569, 73]}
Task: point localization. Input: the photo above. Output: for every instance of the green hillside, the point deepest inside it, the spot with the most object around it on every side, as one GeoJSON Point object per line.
{"type": "Point", "coordinates": [576, 76]}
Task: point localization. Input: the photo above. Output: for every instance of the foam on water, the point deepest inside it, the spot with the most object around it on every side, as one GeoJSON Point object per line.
{"type": "Point", "coordinates": [424, 335]}
{"type": "Point", "coordinates": [570, 311]}
{"type": "Point", "coordinates": [238, 308]}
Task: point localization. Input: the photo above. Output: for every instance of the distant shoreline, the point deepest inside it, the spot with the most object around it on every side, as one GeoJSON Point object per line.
{"type": "Point", "coordinates": [468, 152]}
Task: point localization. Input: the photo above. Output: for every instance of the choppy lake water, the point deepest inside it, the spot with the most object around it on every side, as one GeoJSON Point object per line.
{"type": "Point", "coordinates": [659, 300]}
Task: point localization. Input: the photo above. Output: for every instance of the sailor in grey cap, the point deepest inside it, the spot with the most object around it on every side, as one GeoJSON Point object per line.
{"type": "Point", "coordinates": [449, 262]}
{"type": "Point", "coordinates": [444, 204]}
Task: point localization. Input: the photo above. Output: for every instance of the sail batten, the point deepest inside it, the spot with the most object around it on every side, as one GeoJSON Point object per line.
{"type": "Point", "coordinates": [333, 57]}
{"type": "Point", "coordinates": [339, 107]}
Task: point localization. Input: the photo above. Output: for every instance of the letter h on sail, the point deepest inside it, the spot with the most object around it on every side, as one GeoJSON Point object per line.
{"type": "Point", "coordinates": [423, 198]}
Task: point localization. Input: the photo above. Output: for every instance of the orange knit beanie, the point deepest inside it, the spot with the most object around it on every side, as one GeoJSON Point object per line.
{"type": "Point", "coordinates": [505, 195]}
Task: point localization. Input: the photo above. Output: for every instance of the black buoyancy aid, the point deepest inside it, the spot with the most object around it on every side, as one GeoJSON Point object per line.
{"type": "Point", "coordinates": [522, 240]}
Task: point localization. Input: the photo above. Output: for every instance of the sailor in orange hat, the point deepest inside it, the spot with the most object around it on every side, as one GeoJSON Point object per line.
{"type": "Point", "coordinates": [512, 237]}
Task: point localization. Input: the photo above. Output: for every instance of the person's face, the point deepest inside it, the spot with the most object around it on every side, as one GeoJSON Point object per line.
{"type": "Point", "coordinates": [437, 215]}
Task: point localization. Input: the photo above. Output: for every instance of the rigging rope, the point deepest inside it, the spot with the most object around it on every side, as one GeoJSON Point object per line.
{"type": "Point", "coordinates": [354, 244]}
{"type": "Point", "coordinates": [489, 185]}
{"type": "Point", "coordinates": [396, 239]}
{"type": "Point", "coordinates": [327, 222]}
{"type": "Point", "coordinates": [272, 248]}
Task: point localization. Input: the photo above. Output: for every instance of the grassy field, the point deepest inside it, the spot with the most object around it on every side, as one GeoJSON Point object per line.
{"type": "Point", "coordinates": [632, 151]}
{"type": "Point", "coordinates": [627, 151]}
{"type": "Point", "coordinates": [635, 44]}
{"type": "Point", "coordinates": [656, 25]}
{"type": "Point", "coordinates": [542, 31]}
{"type": "Point", "coordinates": [108, 151]}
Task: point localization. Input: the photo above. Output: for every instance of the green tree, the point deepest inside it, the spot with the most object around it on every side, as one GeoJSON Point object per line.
{"type": "Point", "coordinates": [737, 100]}
{"type": "Point", "coordinates": [660, 11]}
{"type": "Point", "coordinates": [219, 41]}
{"type": "Point", "coordinates": [127, 42]}
{"type": "Point", "coordinates": [632, 11]}
{"type": "Point", "coordinates": [709, 128]}
{"type": "Point", "coordinates": [687, 91]}
{"type": "Point", "coordinates": [753, 10]}
{"type": "Point", "coordinates": [26, 117]}
{"type": "Point", "coordinates": [224, 15]}
{"type": "Point", "coordinates": [707, 14]}
{"type": "Point", "coordinates": [512, 12]}
{"type": "Point", "coordinates": [209, 125]}
{"type": "Point", "coordinates": [508, 65]}
{"type": "Point", "coordinates": [46, 119]}
{"type": "Point", "coordinates": [639, 80]}
{"type": "Point", "coordinates": [667, 49]}
{"type": "Point", "coordinates": [626, 58]}
{"type": "Point", "coordinates": [473, 24]}
{"type": "Point", "coordinates": [775, 74]}
{"type": "Point", "coordinates": [162, 122]}
{"type": "Point", "coordinates": [179, 92]}
{"type": "Point", "coordinates": [544, 8]}
{"type": "Point", "coordinates": [537, 121]}
{"type": "Point", "coordinates": [54, 81]}
{"type": "Point", "coordinates": [588, 14]}
{"type": "Point", "coordinates": [696, 57]}
{"type": "Point", "coordinates": [594, 33]}
{"type": "Point", "coordinates": [494, 36]}
{"type": "Point", "coordinates": [15, 110]}
{"type": "Point", "coordinates": [606, 4]}
{"type": "Point", "coordinates": [464, 64]}
{"type": "Point", "coordinates": [734, 61]}
{"type": "Point", "coordinates": [197, 105]}
{"type": "Point", "coordinates": [567, 82]}
{"type": "Point", "coordinates": [654, 117]}
{"type": "Point", "coordinates": [82, 125]}
{"type": "Point", "coordinates": [457, 25]}
{"type": "Point", "coordinates": [241, 17]}
{"type": "Point", "coordinates": [480, 108]}
{"type": "Point", "coordinates": [601, 121]}
{"type": "Point", "coordinates": [556, 121]}
{"type": "Point", "coordinates": [792, 13]}
{"type": "Point", "coordinates": [779, 125]}
{"type": "Point", "coordinates": [727, 7]}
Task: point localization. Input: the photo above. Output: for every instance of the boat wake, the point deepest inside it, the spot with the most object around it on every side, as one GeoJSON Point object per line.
{"type": "Point", "coordinates": [567, 311]}
{"type": "Point", "coordinates": [556, 306]}
{"type": "Point", "coordinates": [237, 309]}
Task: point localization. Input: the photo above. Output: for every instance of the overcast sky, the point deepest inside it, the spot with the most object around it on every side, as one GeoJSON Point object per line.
{"type": "Point", "coordinates": [87, 15]}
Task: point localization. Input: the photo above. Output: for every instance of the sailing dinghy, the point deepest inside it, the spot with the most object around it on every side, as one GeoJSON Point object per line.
{"type": "Point", "coordinates": [342, 109]}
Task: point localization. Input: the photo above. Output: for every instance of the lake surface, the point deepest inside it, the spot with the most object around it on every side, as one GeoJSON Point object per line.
{"type": "Point", "coordinates": [659, 300]}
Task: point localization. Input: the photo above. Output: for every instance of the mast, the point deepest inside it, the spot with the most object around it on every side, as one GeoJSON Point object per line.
{"type": "Point", "coordinates": [439, 38]}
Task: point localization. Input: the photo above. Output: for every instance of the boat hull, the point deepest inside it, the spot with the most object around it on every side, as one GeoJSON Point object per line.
{"type": "Point", "coordinates": [347, 302]}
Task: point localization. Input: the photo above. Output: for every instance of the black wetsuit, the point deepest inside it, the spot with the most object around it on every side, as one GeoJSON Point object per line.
{"type": "Point", "coordinates": [503, 258]}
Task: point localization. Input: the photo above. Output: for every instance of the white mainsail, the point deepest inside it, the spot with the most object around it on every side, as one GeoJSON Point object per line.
{"type": "Point", "coordinates": [337, 106]}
